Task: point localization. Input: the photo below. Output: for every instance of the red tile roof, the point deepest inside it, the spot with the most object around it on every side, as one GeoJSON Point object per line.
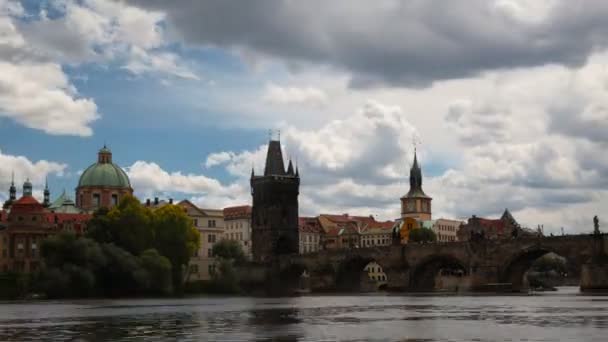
{"type": "Point", "coordinates": [232, 213]}
{"type": "Point", "coordinates": [26, 204]}
{"type": "Point", "coordinates": [309, 225]}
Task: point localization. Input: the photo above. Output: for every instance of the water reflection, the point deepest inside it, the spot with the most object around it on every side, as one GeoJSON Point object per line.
{"type": "Point", "coordinates": [275, 324]}
{"type": "Point", "coordinates": [562, 316]}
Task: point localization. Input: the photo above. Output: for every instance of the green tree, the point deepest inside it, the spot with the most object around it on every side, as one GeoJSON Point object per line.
{"type": "Point", "coordinates": [176, 239]}
{"type": "Point", "coordinates": [422, 235]}
{"type": "Point", "coordinates": [230, 250]}
{"type": "Point", "coordinates": [224, 278]}
{"type": "Point", "coordinates": [128, 225]}
{"type": "Point", "coordinates": [157, 273]}
{"type": "Point", "coordinates": [70, 266]}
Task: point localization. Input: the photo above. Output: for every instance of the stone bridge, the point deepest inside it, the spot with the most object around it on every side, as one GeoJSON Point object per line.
{"type": "Point", "coordinates": [413, 267]}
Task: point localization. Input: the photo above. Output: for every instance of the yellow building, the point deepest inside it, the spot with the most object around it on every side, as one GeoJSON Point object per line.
{"type": "Point", "coordinates": [376, 274]}
{"type": "Point", "coordinates": [210, 225]}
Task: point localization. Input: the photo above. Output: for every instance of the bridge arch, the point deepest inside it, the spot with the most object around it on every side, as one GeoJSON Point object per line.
{"type": "Point", "coordinates": [351, 273]}
{"type": "Point", "coordinates": [517, 265]}
{"type": "Point", "coordinates": [423, 274]}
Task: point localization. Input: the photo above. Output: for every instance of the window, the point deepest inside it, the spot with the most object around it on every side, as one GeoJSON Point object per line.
{"type": "Point", "coordinates": [193, 268]}
{"type": "Point", "coordinates": [210, 253]}
{"type": "Point", "coordinates": [211, 223]}
{"type": "Point", "coordinates": [211, 238]}
{"type": "Point", "coordinates": [211, 269]}
{"type": "Point", "coordinates": [195, 253]}
{"type": "Point", "coordinates": [96, 200]}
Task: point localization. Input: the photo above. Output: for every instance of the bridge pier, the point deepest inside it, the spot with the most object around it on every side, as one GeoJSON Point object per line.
{"type": "Point", "coordinates": [594, 276]}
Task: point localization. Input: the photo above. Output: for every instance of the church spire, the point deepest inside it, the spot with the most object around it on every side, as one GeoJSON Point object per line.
{"type": "Point", "coordinates": [274, 159]}
{"type": "Point", "coordinates": [290, 169]}
{"type": "Point", "coordinates": [47, 194]}
{"type": "Point", "coordinates": [416, 179]}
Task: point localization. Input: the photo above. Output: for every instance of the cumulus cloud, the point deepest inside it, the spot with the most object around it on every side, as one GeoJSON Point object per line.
{"type": "Point", "coordinates": [409, 43]}
{"type": "Point", "coordinates": [295, 95]}
{"type": "Point", "coordinates": [35, 91]}
{"type": "Point", "coordinates": [40, 96]}
{"type": "Point", "coordinates": [148, 179]}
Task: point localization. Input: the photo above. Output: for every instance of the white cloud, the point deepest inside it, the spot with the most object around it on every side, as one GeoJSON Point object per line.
{"type": "Point", "coordinates": [40, 96]}
{"type": "Point", "coordinates": [149, 179]}
{"type": "Point", "coordinates": [294, 95]}
{"type": "Point", "coordinates": [164, 63]}
{"type": "Point", "coordinates": [35, 91]}
{"type": "Point", "coordinates": [216, 159]}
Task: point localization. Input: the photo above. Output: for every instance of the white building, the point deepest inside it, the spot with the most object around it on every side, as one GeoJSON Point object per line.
{"type": "Point", "coordinates": [238, 226]}
{"type": "Point", "coordinates": [309, 235]}
{"type": "Point", "coordinates": [210, 224]}
{"type": "Point", "coordinates": [446, 230]}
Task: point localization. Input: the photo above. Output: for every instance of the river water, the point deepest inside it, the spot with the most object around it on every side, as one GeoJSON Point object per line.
{"type": "Point", "coordinates": [565, 315]}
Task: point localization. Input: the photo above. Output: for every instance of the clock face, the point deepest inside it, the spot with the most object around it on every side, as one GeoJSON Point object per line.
{"type": "Point", "coordinates": [410, 206]}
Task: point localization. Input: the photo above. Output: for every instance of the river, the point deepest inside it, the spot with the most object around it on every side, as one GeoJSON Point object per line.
{"type": "Point", "coordinates": [565, 315]}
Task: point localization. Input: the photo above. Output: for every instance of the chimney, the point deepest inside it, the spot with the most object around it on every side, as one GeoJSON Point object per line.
{"type": "Point", "coordinates": [147, 202]}
{"type": "Point", "coordinates": [170, 200]}
{"type": "Point", "coordinates": [155, 200]}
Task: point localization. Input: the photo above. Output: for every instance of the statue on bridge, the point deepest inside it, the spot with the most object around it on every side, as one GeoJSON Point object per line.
{"type": "Point", "coordinates": [596, 225]}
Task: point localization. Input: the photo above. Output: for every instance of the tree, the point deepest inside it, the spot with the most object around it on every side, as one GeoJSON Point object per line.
{"type": "Point", "coordinates": [230, 250]}
{"type": "Point", "coordinates": [128, 225]}
{"type": "Point", "coordinates": [157, 268]}
{"type": "Point", "coordinates": [422, 235]}
{"type": "Point", "coordinates": [176, 239]}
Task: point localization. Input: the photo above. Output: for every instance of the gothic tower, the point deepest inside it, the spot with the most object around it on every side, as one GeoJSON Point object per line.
{"type": "Point", "coordinates": [274, 213]}
{"type": "Point", "coordinates": [416, 204]}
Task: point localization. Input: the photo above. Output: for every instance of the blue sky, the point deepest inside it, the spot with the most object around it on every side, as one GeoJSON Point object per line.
{"type": "Point", "coordinates": [506, 98]}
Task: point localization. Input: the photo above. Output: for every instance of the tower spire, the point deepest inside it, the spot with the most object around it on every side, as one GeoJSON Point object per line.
{"type": "Point", "coordinates": [47, 194]}
{"type": "Point", "coordinates": [274, 159]}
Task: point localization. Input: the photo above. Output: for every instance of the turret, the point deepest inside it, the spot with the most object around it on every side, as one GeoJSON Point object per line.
{"type": "Point", "coordinates": [13, 189]}
{"type": "Point", "coordinates": [27, 188]}
{"type": "Point", "coordinates": [104, 156]}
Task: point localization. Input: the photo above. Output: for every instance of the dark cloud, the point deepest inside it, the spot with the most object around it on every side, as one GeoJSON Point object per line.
{"type": "Point", "coordinates": [396, 43]}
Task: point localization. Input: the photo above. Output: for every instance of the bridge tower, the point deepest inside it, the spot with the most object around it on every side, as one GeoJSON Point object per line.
{"type": "Point", "coordinates": [416, 204]}
{"type": "Point", "coordinates": [274, 213]}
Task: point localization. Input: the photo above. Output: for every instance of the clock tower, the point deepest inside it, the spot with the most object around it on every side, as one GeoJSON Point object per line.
{"type": "Point", "coordinates": [416, 204]}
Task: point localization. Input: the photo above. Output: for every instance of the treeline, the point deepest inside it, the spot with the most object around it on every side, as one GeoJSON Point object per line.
{"type": "Point", "coordinates": [128, 250]}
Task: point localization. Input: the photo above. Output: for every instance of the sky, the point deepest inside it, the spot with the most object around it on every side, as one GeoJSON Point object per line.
{"type": "Point", "coordinates": [507, 100]}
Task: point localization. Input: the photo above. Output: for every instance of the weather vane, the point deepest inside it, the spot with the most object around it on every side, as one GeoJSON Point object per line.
{"type": "Point", "coordinates": [415, 141]}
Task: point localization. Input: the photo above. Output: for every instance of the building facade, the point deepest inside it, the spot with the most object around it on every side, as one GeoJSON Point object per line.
{"type": "Point", "coordinates": [478, 228]}
{"type": "Point", "coordinates": [376, 274]}
{"type": "Point", "coordinates": [446, 230]}
{"type": "Point", "coordinates": [310, 235]}
{"type": "Point", "coordinates": [25, 223]}
{"type": "Point", "coordinates": [102, 184]}
{"type": "Point", "coordinates": [375, 233]}
{"type": "Point", "coordinates": [210, 225]}
{"type": "Point", "coordinates": [238, 226]}
{"type": "Point", "coordinates": [416, 204]}
{"type": "Point", "coordinates": [274, 212]}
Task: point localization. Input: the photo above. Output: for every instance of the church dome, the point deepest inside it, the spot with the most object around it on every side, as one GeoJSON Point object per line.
{"type": "Point", "coordinates": [104, 173]}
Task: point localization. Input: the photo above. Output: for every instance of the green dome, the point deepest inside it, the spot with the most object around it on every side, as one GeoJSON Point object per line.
{"type": "Point", "coordinates": [104, 174]}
